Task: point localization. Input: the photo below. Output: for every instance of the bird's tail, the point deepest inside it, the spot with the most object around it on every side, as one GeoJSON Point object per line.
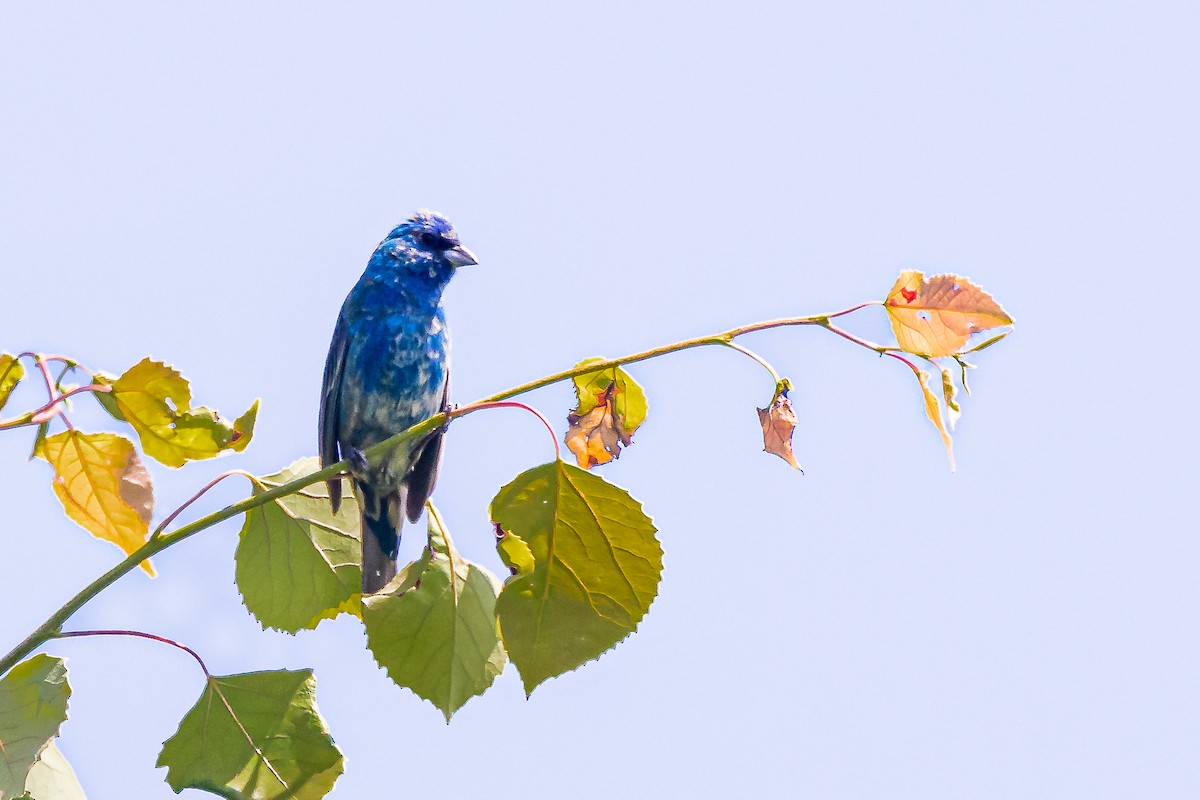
{"type": "Point", "coordinates": [381, 521]}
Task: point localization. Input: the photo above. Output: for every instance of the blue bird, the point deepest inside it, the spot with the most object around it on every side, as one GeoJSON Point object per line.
{"type": "Point", "coordinates": [389, 368]}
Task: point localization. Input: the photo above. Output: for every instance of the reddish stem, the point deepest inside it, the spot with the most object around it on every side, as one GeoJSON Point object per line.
{"type": "Point", "coordinates": [52, 357]}
{"type": "Point", "coordinates": [845, 334]}
{"type": "Point", "coordinates": [911, 365]}
{"type": "Point", "coordinates": [142, 635]}
{"type": "Point", "coordinates": [852, 309]}
{"type": "Point", "coordinates": [171, 517]}
{"type": "Point", "coordinates": [531, 410]}
{"type": "Point", "coordinates": [42, 414]}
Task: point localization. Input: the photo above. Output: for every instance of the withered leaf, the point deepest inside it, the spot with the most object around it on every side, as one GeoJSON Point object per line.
{"type": "Point", "coordinates": [778, 421]}
{"type": "Point", "coordinates": [936, 316]}
{"type": "Point", "coordinates": [597, 436]}
{"type": "Point", "coordinates": [934, 411]}
{"type": "Point", "coordinates": [950, 395]}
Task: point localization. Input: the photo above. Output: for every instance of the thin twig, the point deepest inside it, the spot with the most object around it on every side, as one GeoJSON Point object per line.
{"type": "Point", "coordinates": [46, 412]}
{"type": "Point", "coordinates": [139, 634]}
{"type": "Point", "coordinates": [210, 680]}
{"type": "Point", "coordinates": [756, 357]}
{"type": "Point", "coordinates": [162, 541]}
{"type": "Point", "coordinates": [171, 517]}
{"type": "Point", "coordinates": [531, 410]}
{"type": "Point", "coordinates": [845, 334]}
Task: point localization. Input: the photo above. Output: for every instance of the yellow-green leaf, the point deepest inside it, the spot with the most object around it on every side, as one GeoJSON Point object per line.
{"type": "Point", "coordinates": [514, 552]}
{"type": "Point", "coordinates": [936, 316]}
{"type": "Point", "coordinates": [102, 485]}
{"type": "Point", "coordinates": [11, 372]}
{"type": "Point", "coordinates": [157, 401]}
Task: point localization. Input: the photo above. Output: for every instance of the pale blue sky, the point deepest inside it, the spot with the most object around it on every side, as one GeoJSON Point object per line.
{"type": "Point", "coordinates": [204, 185]}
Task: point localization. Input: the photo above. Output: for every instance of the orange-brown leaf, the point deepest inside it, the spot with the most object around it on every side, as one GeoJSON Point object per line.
{"type": "Point", "coordinates": [778, 421]}
{"type": "Point", "coordinates": [103, 486]}
{"type": "Point", "coordinates": [935, 317]}
{"type": "Point", "coordinates": [596, 437]}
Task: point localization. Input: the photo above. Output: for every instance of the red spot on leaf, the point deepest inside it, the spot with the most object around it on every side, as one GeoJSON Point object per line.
{"type": "Point", "coordinates": [909, 295]}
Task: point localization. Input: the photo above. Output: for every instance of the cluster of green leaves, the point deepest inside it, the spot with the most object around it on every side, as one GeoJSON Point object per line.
{"type": "Point", "coordinates": [584, 567]}
{"type": "Point", "coordinates": [583, 558]}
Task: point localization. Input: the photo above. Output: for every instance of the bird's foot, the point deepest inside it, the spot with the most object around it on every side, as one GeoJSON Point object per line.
{"type": "Point", "coordinates": [358, 461]}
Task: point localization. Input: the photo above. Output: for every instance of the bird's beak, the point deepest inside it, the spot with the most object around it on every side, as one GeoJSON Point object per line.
{"type": "Point", "coordinates": [459, 256]}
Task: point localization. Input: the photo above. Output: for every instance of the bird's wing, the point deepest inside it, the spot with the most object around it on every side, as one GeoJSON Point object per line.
{"type": "Point", "coordinates": [327, 419]}
{"type": "Point", "coordinates": [423, 473]}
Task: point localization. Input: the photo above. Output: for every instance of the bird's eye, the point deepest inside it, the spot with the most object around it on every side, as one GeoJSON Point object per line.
{"type": "Point", "coordinates": [427, 239]}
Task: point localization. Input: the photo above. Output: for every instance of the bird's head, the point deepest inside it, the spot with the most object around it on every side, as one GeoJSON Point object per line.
{"type": "Point", "coordinates": [428, 237]}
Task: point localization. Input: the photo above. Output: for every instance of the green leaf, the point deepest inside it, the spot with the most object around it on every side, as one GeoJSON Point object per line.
{"type": "Point", "coordinates": [298, 563]}
{"type": "Point", "coordinates": [157, 401]}
{"type": "Point", "coordinates": [435, 630]}
{"type": "Point", "coordinates": [33, 704]}
{"type": "Point", "coordinates": [51, 777]}
{"type": "Point", "coordinates": [256, 735]}
{"type": "Point", "coordinates": [11, 372]}
{"type": "Point", "coordinates": [596, 571]}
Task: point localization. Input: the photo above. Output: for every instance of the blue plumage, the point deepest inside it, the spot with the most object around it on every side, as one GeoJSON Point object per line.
{"type": "Point", "coordinates": [389, 368]}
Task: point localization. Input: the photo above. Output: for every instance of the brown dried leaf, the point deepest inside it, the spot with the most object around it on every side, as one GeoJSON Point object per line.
{"type": "Point", "coordinates": [135, 488]}
{"type": "Point", "coordinates": [595, 437]}
{"type": "Point", "coordinates": [778, 420]}
{"type": "Point", "coordinates": [936, 317]}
